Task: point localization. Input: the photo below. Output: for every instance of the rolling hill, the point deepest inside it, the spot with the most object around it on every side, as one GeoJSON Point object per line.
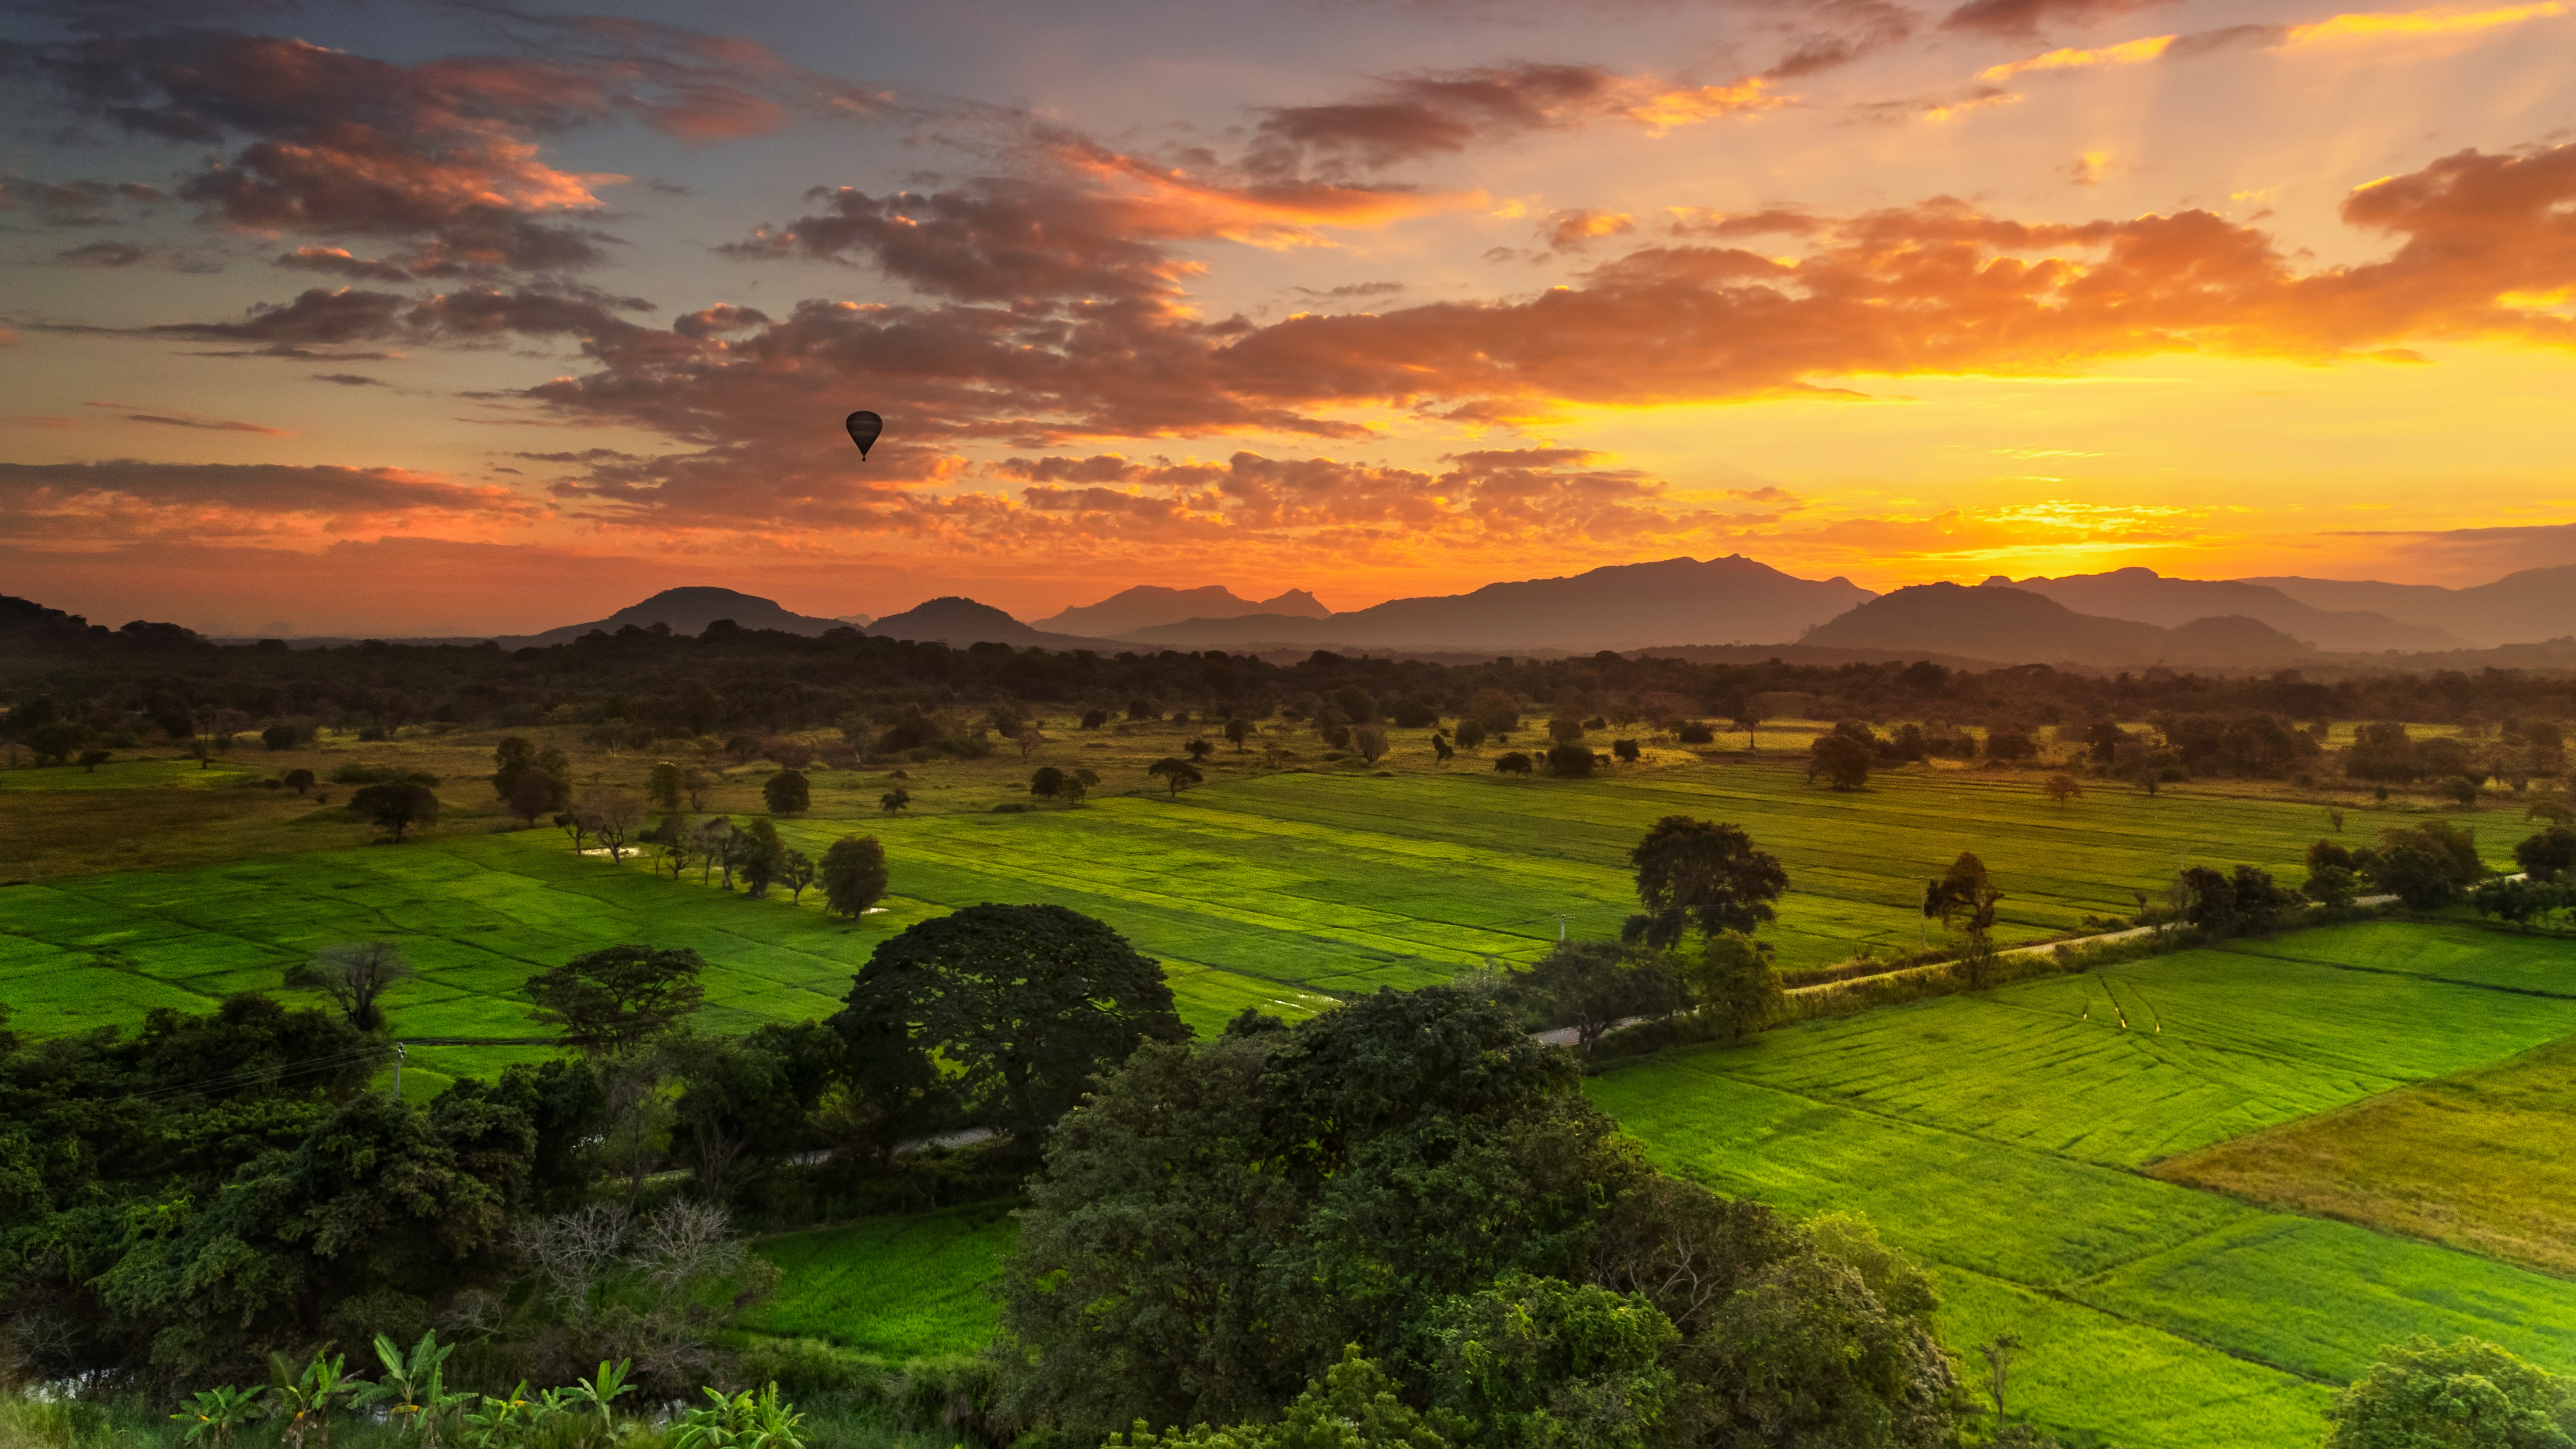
{"type": "Point", "coordinates": [2016, 626]}
{"type": "Point", "coordinates": [1147, 605]}
{"type": "Point", "coordinates": [1732, 600]}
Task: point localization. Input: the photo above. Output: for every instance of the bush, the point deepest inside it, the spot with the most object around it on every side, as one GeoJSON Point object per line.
{"type": "Point", "coordinates": [1569, 759]}
{"type": "Point", "coordinates": [1695, 733]}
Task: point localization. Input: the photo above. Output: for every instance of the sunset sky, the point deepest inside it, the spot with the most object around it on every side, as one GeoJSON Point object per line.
{"type": "Point", "coordinates": [486, 317]}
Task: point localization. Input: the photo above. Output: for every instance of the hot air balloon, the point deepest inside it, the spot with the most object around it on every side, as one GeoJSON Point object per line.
{"type": "Point", "coordinates": [864, 427]}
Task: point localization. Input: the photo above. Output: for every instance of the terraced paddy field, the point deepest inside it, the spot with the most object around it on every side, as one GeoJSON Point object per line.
{"type": "Point", "coordinates": [1271, 890]}
{"type": "Point", "coordinates": [2015, 1140]}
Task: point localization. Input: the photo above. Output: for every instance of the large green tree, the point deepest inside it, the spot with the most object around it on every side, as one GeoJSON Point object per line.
{"type": "Point", "coordinates": [2464, 1395]}
{"type": "Point", "coordinates": [1704, 876]}
{"type": "Point", "coordinates": [1028, 1003]}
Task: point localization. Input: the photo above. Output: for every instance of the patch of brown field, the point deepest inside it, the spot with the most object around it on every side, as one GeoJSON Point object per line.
{"type": "Point", "coordinates": [2484, 1161]}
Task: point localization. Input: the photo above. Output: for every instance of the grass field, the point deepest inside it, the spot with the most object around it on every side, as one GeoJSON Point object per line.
{"type": "Point", "coordinates": [2478, 1161]}
{"type": "Point", "coordinates": [1256, 889]}
{"type": "Point", "coordinates": [892, 1288]}
{"type": "Point", "coordinates": [1999, 1136]}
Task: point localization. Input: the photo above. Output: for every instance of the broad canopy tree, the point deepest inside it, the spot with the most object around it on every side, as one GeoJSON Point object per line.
{"type": "Point", "coordinates": [1027, 1003]}
{"type": "Point", "coordinates": [610, 1001]}
{"type": "Point", "coordinates": [1700, 875]}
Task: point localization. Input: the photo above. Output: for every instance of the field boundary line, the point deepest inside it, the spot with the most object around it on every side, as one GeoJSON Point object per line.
{"type": "Point", "coordinates": [2061, 1295]}
{"type": "Point", "coordinates": [2408, 975]}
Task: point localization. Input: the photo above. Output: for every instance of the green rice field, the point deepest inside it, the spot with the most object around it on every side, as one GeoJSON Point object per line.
{"type": "Point", "coordinates": [2001, 1138]}
{"type": "Point", "coordinates": [1274, 891]}
{"type": "Point", "coordinates": [892, 1288]}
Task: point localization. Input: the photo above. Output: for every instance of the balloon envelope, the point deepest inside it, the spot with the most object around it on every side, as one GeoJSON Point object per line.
{"type": "Point", "coordinates": [864, 427]}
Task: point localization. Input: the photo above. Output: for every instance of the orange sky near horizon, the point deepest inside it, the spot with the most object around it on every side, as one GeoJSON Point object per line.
{"type": "Point", "coordinates": [425, 319]}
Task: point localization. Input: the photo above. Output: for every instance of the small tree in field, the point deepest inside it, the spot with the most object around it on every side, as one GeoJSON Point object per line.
{"type": "Point", "coordinates": [894, 800]}
{"type": "Point", "coordinates": [787, 793]}
{"type": "Point", "coordinates": [1176, 773]}
{"type": "Point", "coordinates": [853, 875]}
{"type": "Point", "coordinates": [665, 786]}
{"type": "Point", "coordinates": [299, 780]}
{"type": "Point", "coordinates": [611, 814]}
{"type": "Point", "coordinates": [2061, 788]}
{"type": "Point", "coordinates": [1842, 760]}
{"type": "Point", "coordinates": [1046, 782]}
{"type": "Point", "coordinates": [797, 873]}
{"type": "Point", "coordinates": [397, 806]}
{"type": "Point", "coordinates": [1029, 741]}
{"type": "Point", "coordinates": [1515, 763]}
{"type": "Point", "coordinates": [1199, 750]}
{"type": "Point", "coordinates": [532, 795]}
{"type": "Point", "coordinates": [1734, 984]}
{"type": "Point", "coordinates": [763, 859]}
{"type": "Point", "coordinates": [1370, 741]}
{"type": "Point", "coordinates": [1748, 717]}
{"type": "Point", "coordinates": [355, 977]}
{"type": "Point", "coordinates": [1236, 732]}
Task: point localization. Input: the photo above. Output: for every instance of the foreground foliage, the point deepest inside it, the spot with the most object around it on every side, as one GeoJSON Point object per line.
{"type": "Point", "coordinates": [1223, 1221]}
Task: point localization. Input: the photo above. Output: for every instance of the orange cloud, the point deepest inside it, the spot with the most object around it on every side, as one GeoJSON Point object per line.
{"type": "Point", "coordinates": [2127, 52]}
{"type": "Point", "coordinates": [2405, 24]}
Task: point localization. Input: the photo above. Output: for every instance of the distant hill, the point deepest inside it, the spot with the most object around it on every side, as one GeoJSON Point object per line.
{"type": "Point", "coordinates": [960, 621]}
{"type": "Point", "coordinates": [2016, 626]}
{"type": "Point", "coordinates": [685, 611]}
{"type": "Point", "coordinates": [2147, 597]}
{"type": "Point", "coordinates": [2521, 608]}
{"type": "Point", "coordinates": [1147, 605]}
{"type": "Point", "coordinates": [1731, 600]}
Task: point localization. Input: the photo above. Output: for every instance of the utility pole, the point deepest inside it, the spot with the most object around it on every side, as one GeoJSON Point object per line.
{"type": "Point", "coordinates": [1560, 928]}
{"type": "Point", "coordinates": [398, 1064]}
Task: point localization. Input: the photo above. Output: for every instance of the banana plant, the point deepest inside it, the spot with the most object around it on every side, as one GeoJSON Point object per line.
{"type": "Point", "coordinates": [504, 1423]}
{"type": "Point", "coordinates": [414, 1388]}
{"type": "Point", "coordinates": [303, 1402]}
{"type": "Point", "coordinates": [213, 1414]}
{"type": "Point", "coordinates": [741, 1422]}
{"type": "Point", "coordinates": [594, 1396]}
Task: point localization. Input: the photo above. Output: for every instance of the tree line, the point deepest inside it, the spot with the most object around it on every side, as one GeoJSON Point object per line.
{"type": "Point", "coordinates": [71, 687]}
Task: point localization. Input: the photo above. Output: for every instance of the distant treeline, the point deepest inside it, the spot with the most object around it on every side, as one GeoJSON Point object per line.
{"type": "Point", "coordinates": [123, 684]}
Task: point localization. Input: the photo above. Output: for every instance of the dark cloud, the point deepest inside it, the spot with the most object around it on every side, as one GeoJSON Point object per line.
{"type": "Point", "coordinates": [73, 203]}
{"type": "Point", "coordinates": [1411, 117]}
{"type": "Point", "coordinates": [440, 160]}
{"type": "Point", "coordinates": [1839, 32]}
{"type": "Point", "coordinates": [127, 499]}
{"type": "Point", "coordinates": [2029, 17]}
{"type": "Point", "coordinates": [339, 262]}
{"type": "Point", "coordinates": [104, 254]}
{"type": "Point", "coordinates": [1731, 226]}
{"type": "Point", "coordinates": [212, 425]}
{"type": "Point", "coordinates": [325, 318]}
{"type": "Point", "coordinates": [996, 240]}
{"type": "Point", "coordinates": [1355, 289]}
{"type": "Point", "coordinates": [350, 379]}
